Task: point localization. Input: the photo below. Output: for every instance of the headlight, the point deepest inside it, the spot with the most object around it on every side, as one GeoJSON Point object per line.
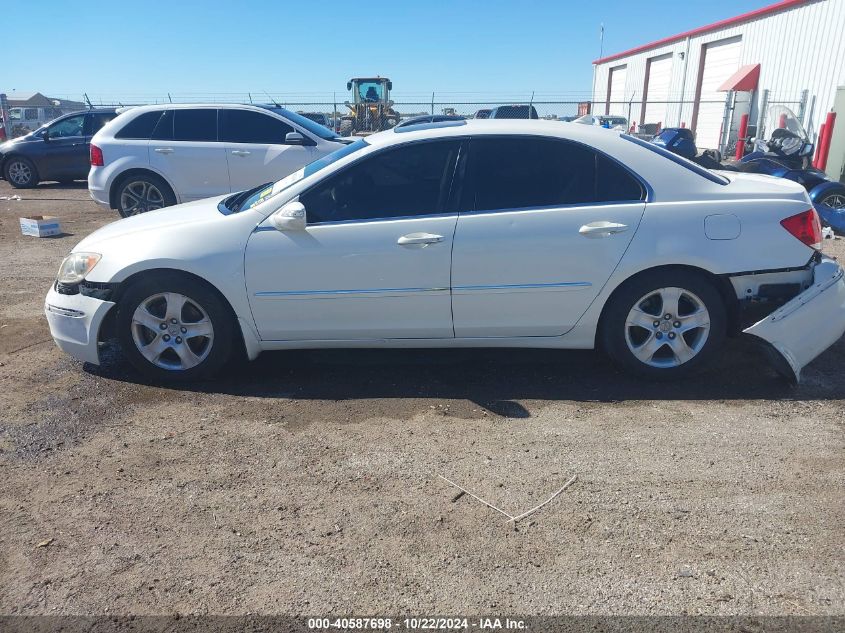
{"type": "Point", "coordinates": [76, 266]}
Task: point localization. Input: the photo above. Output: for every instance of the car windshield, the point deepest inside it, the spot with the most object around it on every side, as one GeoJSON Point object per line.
{"type": "Point", "coordinates": [255, 196]}
{"type": "Point", "coordinates": [315, 128]}
{"type": "Point", "coordinates": [781, 117]}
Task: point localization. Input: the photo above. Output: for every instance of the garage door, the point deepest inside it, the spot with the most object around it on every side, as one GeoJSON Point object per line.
{"type": "Point", "coordinates": [657, 90]}
{"type": "Point", "coordinates": [721, 60]}
{"type": "Point", "coordinates": [617, 91]}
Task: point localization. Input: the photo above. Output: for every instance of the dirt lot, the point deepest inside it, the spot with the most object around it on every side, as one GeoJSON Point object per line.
{"type": "Point", "coordinates": [309, 482]}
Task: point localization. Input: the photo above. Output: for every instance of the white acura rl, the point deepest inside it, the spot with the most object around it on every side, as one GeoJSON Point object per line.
{"type": "Point", "coordinates": [464, 233]}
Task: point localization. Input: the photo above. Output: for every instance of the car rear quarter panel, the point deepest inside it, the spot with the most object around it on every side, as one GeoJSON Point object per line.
{"type": "Point", "coordinates": [673, 234]}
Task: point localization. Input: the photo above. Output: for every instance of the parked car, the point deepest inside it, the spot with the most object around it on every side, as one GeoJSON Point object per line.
{"type": "Point", "coordinates": [55, 151]}
{"type": "Point", "coordinates": [430, 118]}
{"type": "Point", "coordinates": [493, 234]}
{"type": "Point", "coordinates": [157, 156]}
{"type": "Point", "coordinates": [514, 112]}
{"type": "Point", "coordinates": [482, 114]}
{"type": "Point", "coordinates": [318, 117]}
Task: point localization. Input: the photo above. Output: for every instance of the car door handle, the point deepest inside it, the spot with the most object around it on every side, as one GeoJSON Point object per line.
{"type": "Point", "coordinates": [164, 150]}
{"type": "Point", "coordinates": [419, 239]}
{"type": "Point", "coordinates": [240, 152]}
{"type": "Point", "coordinates": [602, 229]}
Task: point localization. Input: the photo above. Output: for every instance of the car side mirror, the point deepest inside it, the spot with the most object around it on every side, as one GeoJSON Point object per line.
{"type": "Point", "coordinates": [45, 135]}
{"type": "Point", "coordinates": [290, 217]}
{"type": "Point", "coordinates": [294, 138]}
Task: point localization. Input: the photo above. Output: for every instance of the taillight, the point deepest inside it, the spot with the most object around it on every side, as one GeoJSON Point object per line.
{"type": "Point", "coordinates": [806, 227]}
{"type": "Point", "coordinates": [96, 156]}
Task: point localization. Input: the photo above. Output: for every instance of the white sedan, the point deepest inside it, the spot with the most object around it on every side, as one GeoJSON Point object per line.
{"type": "Point", "coordinates": [464, 234]}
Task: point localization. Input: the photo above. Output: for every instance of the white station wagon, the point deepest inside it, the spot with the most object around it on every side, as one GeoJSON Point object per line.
{"type": "Point", "coordinates": [464, 234]}
{"type": "Point", "coordinates": [156, 156]}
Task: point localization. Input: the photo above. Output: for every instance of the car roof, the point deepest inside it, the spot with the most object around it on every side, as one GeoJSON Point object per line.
{"type": "Point", "coordinates": [89, 110]}
{"type": "Point", "coordinates": [182, 106]}
{"type": "Point", "coordinates": [589, 134]}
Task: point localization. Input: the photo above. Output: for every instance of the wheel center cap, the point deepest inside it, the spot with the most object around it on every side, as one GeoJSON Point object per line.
{"type": "Point", "coordinates": [665, 326]}
{"type": "Point", "coordinates": [173, 330]}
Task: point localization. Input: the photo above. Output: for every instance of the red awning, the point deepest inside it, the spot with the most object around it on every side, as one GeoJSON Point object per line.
{"type": "Point", "coordinates": [743, 80]}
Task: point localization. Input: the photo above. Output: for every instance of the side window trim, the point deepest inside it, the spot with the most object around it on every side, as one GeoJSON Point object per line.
{"type": "Point", "coordinates": [440, 214]}
{"type": "Point", "coordinates": [468, 180]}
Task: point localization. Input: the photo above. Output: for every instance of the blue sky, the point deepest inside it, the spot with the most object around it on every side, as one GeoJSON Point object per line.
{"type": "Point", "coordinates": [126, 49]}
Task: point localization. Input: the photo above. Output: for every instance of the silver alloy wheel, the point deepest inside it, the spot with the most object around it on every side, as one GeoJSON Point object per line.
{"type": "Point", "coordinates": [140, 196]}
{"type": "Point", "coordinates": [834, 201]}
{"type": "Point", "coordinates": [172, 331]}
{"type": "Point", "coordinates": [19, 172]}
{"type": "Point", "coordinates": [667, 327]}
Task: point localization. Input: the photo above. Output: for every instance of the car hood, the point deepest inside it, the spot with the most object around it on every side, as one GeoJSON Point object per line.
{"type": "Point", "coordinates": [10, 144]}
{"type": "Point", "coordinates": [169, 218]}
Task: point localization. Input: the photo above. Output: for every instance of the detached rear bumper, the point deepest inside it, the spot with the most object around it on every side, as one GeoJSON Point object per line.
{"type": "Point", "coordinates": [75, 323]}
{"type": "Point", "coordinates": [803, 328]}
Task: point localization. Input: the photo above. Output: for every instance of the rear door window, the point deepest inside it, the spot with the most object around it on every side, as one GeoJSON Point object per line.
{"type": "Point", "coordinates": [95, 121]}
{"type": "Point", "coordinates": [199, 125]}
{"type": "Point", "coordinates": [527, 172]}
{"type": "Point", "coordinates": [246, 126]}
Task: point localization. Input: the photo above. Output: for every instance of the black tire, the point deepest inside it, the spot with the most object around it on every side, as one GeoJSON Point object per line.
{"type": "Point", "coordinates": [142, 186]}
{"type": "Point", "coordinates": [619, 338]}
{"type": "Point", "coordinates": [346, 127]}
{"type": "Point", "coordinates": [199, 295]}
{"type": "Point", "coordinates": [20, 172]}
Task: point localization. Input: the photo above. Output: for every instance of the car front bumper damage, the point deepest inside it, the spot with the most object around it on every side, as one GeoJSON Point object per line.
{"type": "Point", "coordinates": [75, 322]}
{"type": "Point", "coordinates": [800, 330]}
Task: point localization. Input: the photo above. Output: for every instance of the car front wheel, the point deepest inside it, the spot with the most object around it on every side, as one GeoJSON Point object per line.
{"type": "Point", "coordinates": [20, 172]}
{"type": "Point", "coordinates": [174, 328]}
{"type": "Point", "coordinates": [664, 325]}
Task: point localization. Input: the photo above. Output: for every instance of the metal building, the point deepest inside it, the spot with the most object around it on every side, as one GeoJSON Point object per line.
{"type": "Point", "coordinates": [792, 52]}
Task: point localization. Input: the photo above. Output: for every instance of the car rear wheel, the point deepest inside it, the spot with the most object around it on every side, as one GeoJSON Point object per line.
{"type": "Point", "coordinates": [835, 200]}
{"type": "Point", "coordinates": [664, 325]}
{"type": "Point", "coordinates": [20, 172]}
{"type": "Point", "coordinates": [141, 193]}
{"type": "Point", "coordinates": [174, 328]}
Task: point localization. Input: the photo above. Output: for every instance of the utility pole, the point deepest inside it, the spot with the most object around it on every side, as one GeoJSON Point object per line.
{"type": "Point", "coordinates": [595, 66]}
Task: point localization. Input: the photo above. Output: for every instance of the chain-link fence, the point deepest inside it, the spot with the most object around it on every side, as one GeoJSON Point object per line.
{"type": "Point", "coordinates": [715, 121]}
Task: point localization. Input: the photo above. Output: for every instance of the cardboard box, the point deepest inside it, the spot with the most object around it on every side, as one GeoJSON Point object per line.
{"type": "Point", "coordinates": [41, 226]}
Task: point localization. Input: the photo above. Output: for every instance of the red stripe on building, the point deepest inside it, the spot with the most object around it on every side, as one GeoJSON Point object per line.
{"type": "Point", "coordinates": [745, 17]}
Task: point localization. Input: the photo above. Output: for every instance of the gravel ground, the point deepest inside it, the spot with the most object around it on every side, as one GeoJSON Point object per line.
{"type": "Point", "coordinates": [309, 482]}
